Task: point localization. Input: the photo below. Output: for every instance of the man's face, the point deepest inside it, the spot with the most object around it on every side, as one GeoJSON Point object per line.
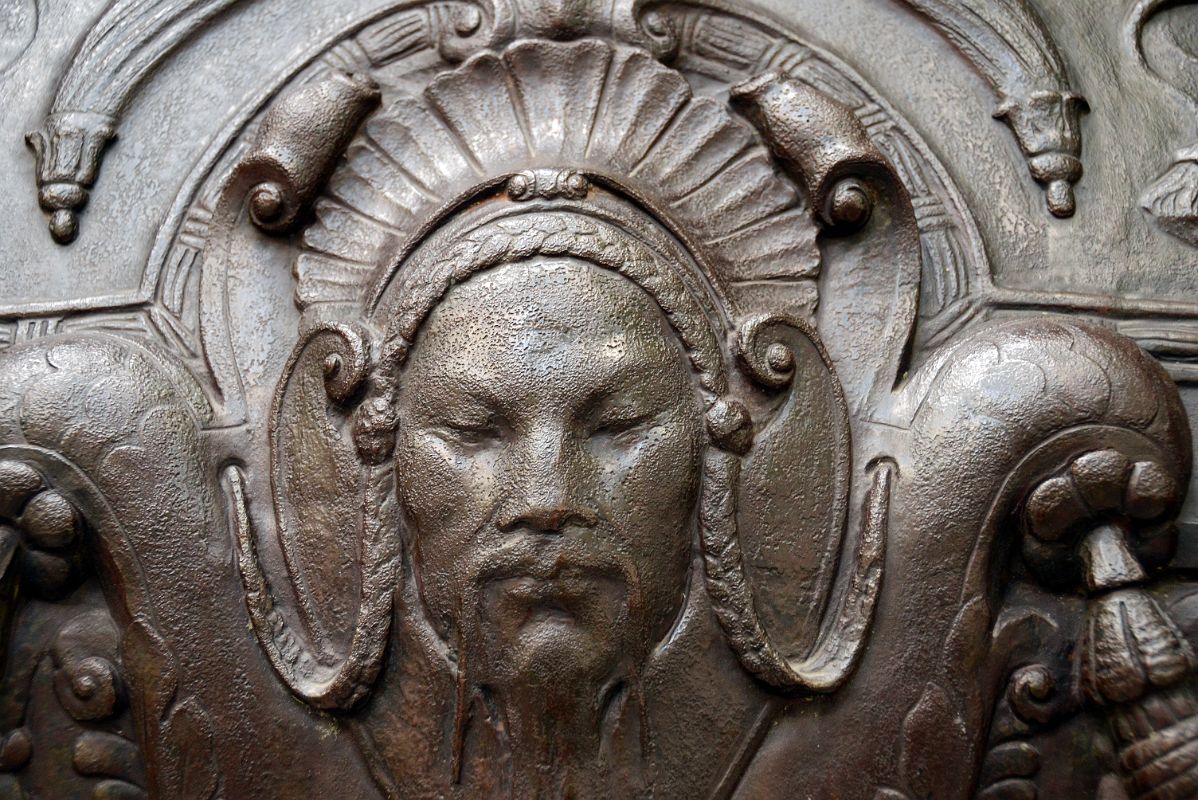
{"type": "Point", "coordinates": [550, 437]}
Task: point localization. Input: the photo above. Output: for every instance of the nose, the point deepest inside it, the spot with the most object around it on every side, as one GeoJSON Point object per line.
{"type": "Point", "coordinates": [546, 518]}
{"type": "Point", "coordinates": [545, 489]}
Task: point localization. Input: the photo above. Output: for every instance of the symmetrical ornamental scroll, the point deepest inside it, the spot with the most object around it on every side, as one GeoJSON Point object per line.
{"type": "Point", "coordinates": [560, 416]}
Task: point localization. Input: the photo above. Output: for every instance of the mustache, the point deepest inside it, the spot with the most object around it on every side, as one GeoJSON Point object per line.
{"type": "Point", "coordinates": [561, 556]}
{"type": "Point", "coordinates": [573, 563]}
{"type": "Point", "coordinates": [577, 570]}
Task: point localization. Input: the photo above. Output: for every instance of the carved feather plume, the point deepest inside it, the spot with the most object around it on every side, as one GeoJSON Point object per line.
{"type": "Point", "coordinates": [120, 50]}
{"type": "Point", "coordinates": [1006, 41]}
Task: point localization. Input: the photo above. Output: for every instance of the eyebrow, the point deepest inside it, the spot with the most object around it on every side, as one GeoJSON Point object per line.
{"type": "Point", "coordinates": [626, 376]}
{"type": "Point", "coordinates": [482, 381]}
{"type": "Point", "coordinates": [488, 400]}
{"type": "Point", "coordinates": [477, 391]}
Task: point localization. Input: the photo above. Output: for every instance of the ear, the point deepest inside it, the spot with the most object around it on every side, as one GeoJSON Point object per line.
{"type": "Point", "coordinates": [320, 594]}
{"type": "Point", "coordinates": [774, 521]}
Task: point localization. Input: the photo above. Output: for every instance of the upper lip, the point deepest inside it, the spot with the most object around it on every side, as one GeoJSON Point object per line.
{"type": "Point", "coordinates": [544, 570]}
{"type": "Point", "coordinates": [544, 558]}
{"type": "Point", "coordinates": [538, 588]}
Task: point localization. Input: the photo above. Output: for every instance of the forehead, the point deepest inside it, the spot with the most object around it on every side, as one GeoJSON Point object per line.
{"type": "Point", "coordinates": [557, 293]}
{"type": "Point", "coordinates": [549, 300]}
{"type": "Point", "coordinates": [546, 320]}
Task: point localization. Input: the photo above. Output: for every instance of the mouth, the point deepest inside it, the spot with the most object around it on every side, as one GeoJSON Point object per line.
{"type": "Point", "coordinates": [542, 600]}
{"type": "Point", "coordinates": [529, 583]}
{"type": "Point", "coordinates": [554, 593]}
{"type": "Point", "coordinates": [549, 567]}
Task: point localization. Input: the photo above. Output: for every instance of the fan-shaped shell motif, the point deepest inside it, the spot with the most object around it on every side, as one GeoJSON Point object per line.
{"type": "Point", "coordinates": [587, 105]}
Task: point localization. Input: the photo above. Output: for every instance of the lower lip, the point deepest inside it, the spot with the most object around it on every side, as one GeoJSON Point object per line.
{"type": "Point", "coordinates": [546, 597]}
{"type": "Point", "coordinates": [532, 588]}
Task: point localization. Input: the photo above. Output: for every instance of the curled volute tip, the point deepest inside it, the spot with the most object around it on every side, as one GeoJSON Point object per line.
{"type": "Point", "coordinates": [764, 352]}
{"type": "Point", "coordinates": [298, 144]}
{"type": "Point", "coordinates": [819, 141]}
{"type": "Point", "coordinates": [344, 351]}
{"type": "Point", "coordinates": [87, 681]}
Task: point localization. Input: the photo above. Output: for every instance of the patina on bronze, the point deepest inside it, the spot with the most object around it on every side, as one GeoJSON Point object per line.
{"type": "Point", "coordinates": [597, 400]}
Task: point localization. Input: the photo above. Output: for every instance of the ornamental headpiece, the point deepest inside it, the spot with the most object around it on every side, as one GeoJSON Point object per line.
{"type": "Point", "coordinates": [593, 151]}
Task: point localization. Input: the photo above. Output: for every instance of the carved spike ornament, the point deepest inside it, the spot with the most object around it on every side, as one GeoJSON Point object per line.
{"type": "Point", "coordinates": [539, 399]}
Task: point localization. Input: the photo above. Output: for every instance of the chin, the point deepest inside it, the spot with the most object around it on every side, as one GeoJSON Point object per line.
{"type": "Point", "coordinates": [551, 650]}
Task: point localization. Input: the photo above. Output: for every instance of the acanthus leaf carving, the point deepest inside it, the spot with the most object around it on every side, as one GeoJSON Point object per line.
{"type": "Point", "coordinates": [1104, 523]}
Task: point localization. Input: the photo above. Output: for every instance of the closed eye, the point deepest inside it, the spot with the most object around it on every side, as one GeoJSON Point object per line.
{"type": "Point", "coordinates": [468, 433]}
{"type": "Point", "coordinates": [617, 425]}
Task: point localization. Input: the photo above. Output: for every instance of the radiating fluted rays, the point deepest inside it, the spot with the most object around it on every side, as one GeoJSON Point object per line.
{"type": "Point", "coordinates": [587, 105]}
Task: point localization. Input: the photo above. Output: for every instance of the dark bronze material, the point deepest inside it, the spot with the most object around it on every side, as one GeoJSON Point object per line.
{"type": "Point", "coordinates": [593, 399]}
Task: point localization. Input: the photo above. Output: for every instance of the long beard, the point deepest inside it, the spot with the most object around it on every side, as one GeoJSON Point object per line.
{"type": "Point", "coordinates": [550, 634]}
{"type": "Point", "coordinates": [611, 763]}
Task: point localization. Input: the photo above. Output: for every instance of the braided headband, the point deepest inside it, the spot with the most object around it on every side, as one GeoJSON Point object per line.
{"type": "Point", "coordinates": [452, 258]}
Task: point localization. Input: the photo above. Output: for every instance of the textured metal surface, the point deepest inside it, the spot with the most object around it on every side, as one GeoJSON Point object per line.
{"type": "Point", "coordinates": [522, 398]}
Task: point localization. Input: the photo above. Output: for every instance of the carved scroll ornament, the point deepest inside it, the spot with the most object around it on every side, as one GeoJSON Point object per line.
{"type": "Point", "coordinates": [592, 460]}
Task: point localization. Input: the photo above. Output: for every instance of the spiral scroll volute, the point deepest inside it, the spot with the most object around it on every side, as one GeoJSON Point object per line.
{"type": "Point", "coordinates": [323, 625]}
{"type": "Point", "coordinates": [299, 142]}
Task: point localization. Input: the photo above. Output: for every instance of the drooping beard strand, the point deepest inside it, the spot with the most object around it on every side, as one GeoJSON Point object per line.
{"type": "Point", "coordinates": [553, 689]}
{"type": "Point", "coordinates": [518, 744]}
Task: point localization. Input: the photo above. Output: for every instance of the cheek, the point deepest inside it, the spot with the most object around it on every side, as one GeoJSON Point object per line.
{"type": "Point", "coordinates": [651, 489]}
{"type": "Point", "coordinates": [447, 495]}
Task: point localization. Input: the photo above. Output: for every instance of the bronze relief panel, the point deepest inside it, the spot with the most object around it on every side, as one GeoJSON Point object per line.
{"type": "Point", "coordinates": [586, 400]}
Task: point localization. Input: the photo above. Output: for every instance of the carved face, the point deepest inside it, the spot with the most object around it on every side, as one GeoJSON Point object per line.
{"type": "Point", "coordinates": [550, 435]}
